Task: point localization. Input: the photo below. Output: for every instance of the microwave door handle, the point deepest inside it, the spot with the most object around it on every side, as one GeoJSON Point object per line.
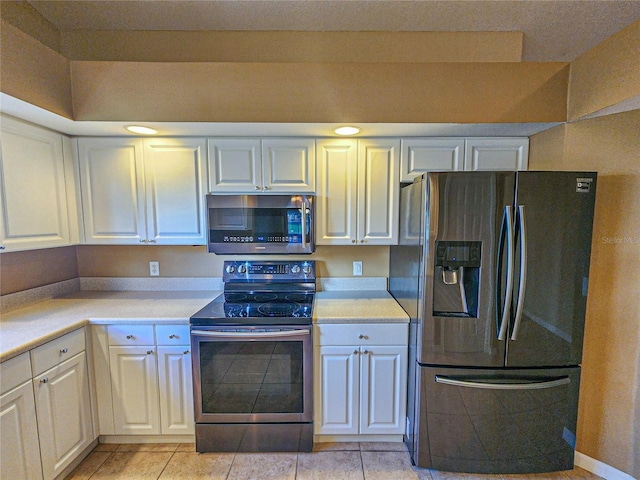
{"type": "Point", "coordinates": [303, 218]}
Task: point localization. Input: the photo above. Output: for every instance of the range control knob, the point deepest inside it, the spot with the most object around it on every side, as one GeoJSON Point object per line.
{"type": "Point", "coordinates": [230, 269]}
{"type": "Point", "coordinates": [306, 269]}
{"type": "Point", "coordinates": [295, 269]}
{"type": "Point", "coordinates": [242, 269]}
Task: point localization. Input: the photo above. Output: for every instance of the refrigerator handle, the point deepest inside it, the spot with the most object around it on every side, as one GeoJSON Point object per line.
{"type": "Point", "coordinates": [520, 385]}
{"type": "Point", "coordinates": [523, 271]}
{"type": "Point", "coordinates": [507, 219]}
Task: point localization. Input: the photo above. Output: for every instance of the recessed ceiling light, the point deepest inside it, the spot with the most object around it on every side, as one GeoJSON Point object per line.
{"type": "Point", "coordinates": [347, 130]}
{"type": "Point", "coordinates": [141, 130]}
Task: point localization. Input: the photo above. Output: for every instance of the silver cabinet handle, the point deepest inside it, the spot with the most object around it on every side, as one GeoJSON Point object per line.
{"type": "Point", "coordinates": [523, 272]}
{"type": "Point", "coordinates": [64, 350]}
{"type": "Point", "coordinates": [129, 337]}
{"type": "Point", "coordinates": [44, 380]}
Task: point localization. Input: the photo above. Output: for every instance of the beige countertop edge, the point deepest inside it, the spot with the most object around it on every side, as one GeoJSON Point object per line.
{"type": "Point", "coordinates": [350, 320]}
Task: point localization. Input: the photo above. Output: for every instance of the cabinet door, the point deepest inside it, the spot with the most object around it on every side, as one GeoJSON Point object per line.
{"type": "Point", "coordinates": [112, 184]}
{"type": "Point", "coordinates": [63, 407]}
{"type": "Point", "coordinates": [336, 200]}
{"type": "Point", "coordinates": [176, 390]}
{"type": "Point", "coordinates": [33, 199]}
{"type": "Point", "coordinates": [496, 154]}
{"type": "Point", "coordinates": [134, 390]}
{"type": "Point", "coordinates": [19, 449]}
{"type": "Point", "coordinates": [234, 165]}
{"type": "Point", "coordinates": [175, 177]}
{"type": "Point", "coordinates": [422, 155]}
{"type": "Point", "coordinates": [337, 384]}
{"type": "Point", "coordinates": [378, 192]}
{"type": "Point", "coordinates": [383, 385]}
{"type": "Point", "coordinates": [289, 165]}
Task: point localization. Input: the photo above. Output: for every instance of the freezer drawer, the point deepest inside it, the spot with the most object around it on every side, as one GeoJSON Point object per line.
{"type": "Point", "coordinates": [496, 421]}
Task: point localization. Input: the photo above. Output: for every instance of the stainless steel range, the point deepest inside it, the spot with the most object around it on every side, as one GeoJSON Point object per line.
{"type": "Point", "coordinates": [253, 360]}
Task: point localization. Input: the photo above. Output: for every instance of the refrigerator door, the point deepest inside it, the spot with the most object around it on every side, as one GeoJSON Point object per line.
{"type": "Point", "coordinates": [491, 421]}
{"type": "Point", "coordinates": [466, 264]}
{"type": "Point", "coordinates": [553, 228]}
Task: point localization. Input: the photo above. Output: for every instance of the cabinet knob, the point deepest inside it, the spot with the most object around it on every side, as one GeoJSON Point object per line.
{"type": "Point", "coordinates": [129, 337]}
{"type": "Point", "coordinates": [361, 336]}
{"type": "Point", "coordinates": [152, 241]}
{"type": "Point", "coordinates": [149, 352]}
{"type": "Point", "coordinates": [355, 352]}
{"type": "Point", "coordinates": [172, 336]}
{"type": "Point", "coordinates": [366, 352]}
{"type": "Point", "coordinates": [1, 247]}
{"type": "Point", "coordinates": [64, 350]}
{"type": "Point", "coordinates": [186, 352]}
{"type": "Point", "coordinates": [353, 241]}
{"type": "Point", "coordinates": [257, 187]}
{"type": "Point", "coordinates": [44, 380]}
{"type": "Point", "coordinates": [142, 240]}
{"type": "Point", "coordinates": [265, 188]}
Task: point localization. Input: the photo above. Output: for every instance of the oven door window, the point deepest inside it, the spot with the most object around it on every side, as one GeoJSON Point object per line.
{"type": "Point", "coordinates": [257, 379]}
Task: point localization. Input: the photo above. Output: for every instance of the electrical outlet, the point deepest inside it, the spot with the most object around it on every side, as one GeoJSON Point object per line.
{"type": "Point", "coordinates": [357, 268]}
{"type": "Point", "coordinates": [154, 269]}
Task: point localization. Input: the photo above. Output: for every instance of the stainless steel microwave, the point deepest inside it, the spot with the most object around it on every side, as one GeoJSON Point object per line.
{"type": "Point", "coordinates": [260, 224]}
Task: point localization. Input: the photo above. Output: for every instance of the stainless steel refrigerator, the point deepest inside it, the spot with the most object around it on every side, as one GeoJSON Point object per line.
{"type": "Point", "coordinates": [493, 269]}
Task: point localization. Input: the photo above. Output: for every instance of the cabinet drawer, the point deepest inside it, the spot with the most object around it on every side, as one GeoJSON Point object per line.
{"type": "Point", "coordinates": [14, 372]}
{"type": "Point", "coordinates": [130, 335]}
{"type": "Point", "coordinates": [172, 334]}
{"type": "Point", "coordinates": [362, 334]}
{"type": "Point", "coordinates": [52, 353]}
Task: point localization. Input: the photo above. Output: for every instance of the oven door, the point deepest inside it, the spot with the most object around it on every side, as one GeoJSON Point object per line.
{"type": "Point", "coordinates": [252, 374]}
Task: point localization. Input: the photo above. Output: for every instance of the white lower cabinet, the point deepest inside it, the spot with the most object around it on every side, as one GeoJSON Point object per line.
{"type": "Point", "coordinates": [134, 390]}
{"type": "Point", "coordinates": [144, 379]}
{"type": "Point", "coordinates": [20, 450]}
{"type": "Point", "coordinates": [361, 379]}
{"type": "Point", "coordinates": [63, 407]}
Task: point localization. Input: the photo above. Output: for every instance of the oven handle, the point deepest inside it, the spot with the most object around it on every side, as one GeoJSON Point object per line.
{"type": "Point", "coordinates": [284, 333]}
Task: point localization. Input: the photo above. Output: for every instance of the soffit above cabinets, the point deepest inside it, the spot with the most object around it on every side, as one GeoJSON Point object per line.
{"type": "Point", "coordinates": [25, 111]}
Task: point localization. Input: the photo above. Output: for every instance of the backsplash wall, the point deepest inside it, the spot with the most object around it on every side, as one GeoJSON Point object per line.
{"type": "Point", "coordinates": [34, 268]}
{"type": "Point", "coordinates": [194, 261]}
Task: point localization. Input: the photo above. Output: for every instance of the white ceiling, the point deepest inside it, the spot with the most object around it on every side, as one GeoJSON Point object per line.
{"type": "Point", "coordinates": [554, 30]}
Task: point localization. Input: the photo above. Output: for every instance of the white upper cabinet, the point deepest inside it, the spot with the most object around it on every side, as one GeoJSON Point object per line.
{"type": "Point", "coordinates": [143, 191]}
{"type": "Point", "coordinates": [276, 165]}
{"type": "Point", "coordinates": [175, 176]}
{"type": "Point", "coordinates": [358, 189]}
{"type": "Point", "coordinates": [33, 190]}
{"type": "Point", "coordinates": [421, 155]}
{"type": "Point", "coordinates": [496, 154]}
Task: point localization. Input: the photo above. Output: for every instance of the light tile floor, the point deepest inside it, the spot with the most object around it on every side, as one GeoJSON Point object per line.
{"type": "Point", "coordinates": [328, 461]}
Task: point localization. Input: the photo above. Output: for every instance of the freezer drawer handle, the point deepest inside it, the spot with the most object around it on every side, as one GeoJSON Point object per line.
{"type": "Point", "coordinates": [524, 385]}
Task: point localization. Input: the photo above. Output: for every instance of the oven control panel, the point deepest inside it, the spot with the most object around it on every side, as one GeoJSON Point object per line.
{"type": "Point", "coordinates": [270, 270]}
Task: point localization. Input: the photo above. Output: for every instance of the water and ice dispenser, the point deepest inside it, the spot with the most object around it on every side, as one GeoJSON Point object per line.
{"type": "Point", "coordinates": [456, 282]}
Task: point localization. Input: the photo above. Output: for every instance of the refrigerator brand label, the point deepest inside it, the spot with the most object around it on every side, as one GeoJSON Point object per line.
{"type": "Point", "coordinates": [583, 185]}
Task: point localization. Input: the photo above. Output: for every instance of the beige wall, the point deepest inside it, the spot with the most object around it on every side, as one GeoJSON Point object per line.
{"type": "Point", "coordinates": [133, 261]}
{"type": "Point", "coordinates": [610, 393]}
{"type": "Point", "coordinates": [291, 46]}
{"type": "Point", "coordinates": [33, 72]}
{"type": "Point", "coordinates": [607, 74]}
{"type": "Point", "coordinates": [35, 268]}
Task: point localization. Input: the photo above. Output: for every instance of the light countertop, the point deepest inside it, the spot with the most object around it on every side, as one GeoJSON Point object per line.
{"type": "Point", "coordinates": [357, 306]}
{"type": "Point", "coordinates": [29, 327]}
